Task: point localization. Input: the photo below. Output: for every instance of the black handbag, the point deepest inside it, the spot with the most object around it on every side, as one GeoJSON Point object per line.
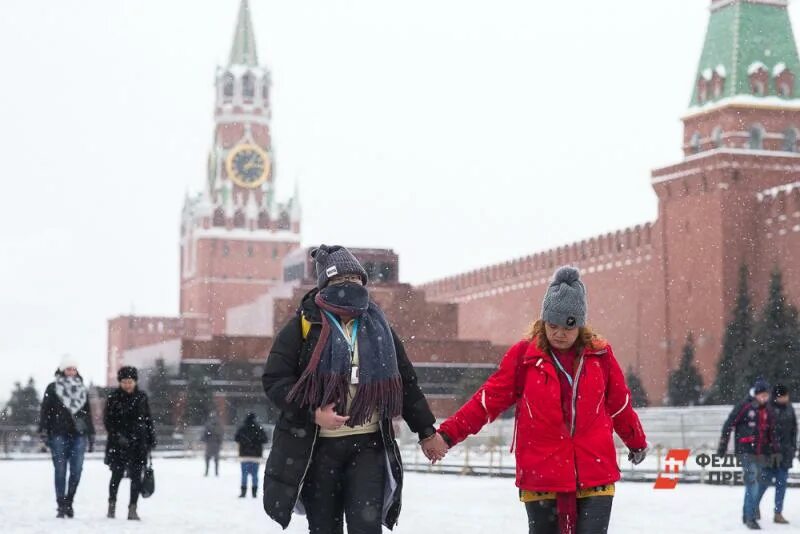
{"type": "Point", "coordinates": [148, 480]}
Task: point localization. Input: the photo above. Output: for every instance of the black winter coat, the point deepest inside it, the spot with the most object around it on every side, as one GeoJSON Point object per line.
{"type": "Point", "coordinates": [743, 420]}
{"type": "Point", "coordinates": [251, 439]}
{"type": "Point", "coordinates": [131, 434]}
{"type": "Point", "coordinates": [786, 432]}
{"type": "Point", "coordinates": [296, 433]}
{"type": "Point", "coordinates": [56, 420]}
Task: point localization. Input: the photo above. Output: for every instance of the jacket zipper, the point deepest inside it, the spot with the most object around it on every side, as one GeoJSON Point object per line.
{"type": "Point", "coordinates": [308, 465]}
{"type": "Point", "coordinates": [575, 394]}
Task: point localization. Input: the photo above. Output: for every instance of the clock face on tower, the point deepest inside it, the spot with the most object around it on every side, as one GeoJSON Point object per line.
{"type": "Point", "coordinates": [248, 165]}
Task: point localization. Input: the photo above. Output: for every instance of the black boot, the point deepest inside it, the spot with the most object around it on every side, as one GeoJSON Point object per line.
{"type": "Point", "coordinates": [244, 492]}
{"type": "Point", "coordinates": [132, 515]}
{"type": "Point", "coordinates": [112, 509]}
{"type": "Point", "coordinates": [255, 492]}
{"type": "Point", "coordinates": [68, 507]}
{"type": "Point", "coordinates": [61, 514]}
{"type": "Point", "coordinates": [753, 525]}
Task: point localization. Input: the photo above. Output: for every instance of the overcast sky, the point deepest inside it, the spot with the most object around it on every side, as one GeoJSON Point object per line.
{"type": "Point", "coordinates": [457, 132]}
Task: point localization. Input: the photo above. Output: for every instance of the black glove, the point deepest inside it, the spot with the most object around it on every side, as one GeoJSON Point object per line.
{"type": "Point", "coordinates": [722, 448]}
{"type": "Point", "coordinates": [45, 439]}
{"type": "Point", "coordinates": [637, 456]}
{"type": "Point", "coordinates": [91, 444]}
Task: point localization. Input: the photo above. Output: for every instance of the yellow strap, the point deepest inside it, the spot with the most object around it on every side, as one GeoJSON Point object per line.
{"type": "Point", "coordinates": [305, 325]}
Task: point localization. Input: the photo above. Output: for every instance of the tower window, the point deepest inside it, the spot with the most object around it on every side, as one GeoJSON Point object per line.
{"type": "Point", "coordinates": [716, 137]}
{"type": "Point", "coordinates": [248, 86]}
{"type": "Point", "coordinates": [756, 139]}
{"type": "Point", "coordinates": [694, 144]}
{"type": "Point", "coordinates": [702, 90]}
{"type": "Point", "coordinates": [238, 219]}
{"type": "Point", "coordinates": [265, 89]}
{"type": "Point", "coordinates": [227, 86]}
{"type": "Point", "coordinates": [758, 88]}
{"type": "Point", "coordinates": [790, 140]}
{"type": "Point", "coordinates": [219, 217]}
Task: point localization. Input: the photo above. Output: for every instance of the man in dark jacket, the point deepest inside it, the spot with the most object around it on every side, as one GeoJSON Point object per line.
{"type": "Point", "coordinates": [65, 426]}
{"type": "Point", "coordinates": [339, 375]}
{"type": "Point", "coordinates": [251, 439]}
{"type": "Point", "coordinates": [755, 445]}
{"type": "Point", "coordinates": [786, 432]}
{"type": "Point", "coordinates": [131, 437]}
{"type": "Point", "coordinates": [212, 437]}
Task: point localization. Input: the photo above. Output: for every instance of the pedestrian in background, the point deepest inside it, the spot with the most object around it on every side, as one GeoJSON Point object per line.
{"type": "Point", "coordinates": [251, 439]}
{"type": "Point", "coordinates": [131, 437]}
{"type": "Point", "coordinates": [65, 426]}
{"type": "Point", "coordinates": [786, 434]}
{"type": "Point", "coordinates": [213, 436]}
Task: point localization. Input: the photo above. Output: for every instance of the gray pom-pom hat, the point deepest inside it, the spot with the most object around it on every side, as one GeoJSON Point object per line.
{"type": "Point", "coordinates": [564, 302]}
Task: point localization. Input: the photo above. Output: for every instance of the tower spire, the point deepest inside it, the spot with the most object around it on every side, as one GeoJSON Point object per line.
{"type": "Point", "coordinates": [243, 51]}
{"type": "Point", "coordinates": [749, 50]}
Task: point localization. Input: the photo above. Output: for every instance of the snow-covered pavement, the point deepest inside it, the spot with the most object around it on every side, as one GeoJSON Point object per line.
{"type": "Point", "coordinates": [185, 501]}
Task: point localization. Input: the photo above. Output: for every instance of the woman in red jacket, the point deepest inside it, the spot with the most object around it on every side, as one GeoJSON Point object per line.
{"type": "Point", "coordinates": [570, 396]}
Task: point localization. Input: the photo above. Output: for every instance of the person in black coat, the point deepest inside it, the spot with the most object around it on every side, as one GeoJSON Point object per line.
{"type": "Point", "coordinates": [213, 436]}
{"type": "Point", "coordinates": [251, 439]}
{"type": "Point", "coordinates": [65, 426]}
{"type": "Point", "coordinates": [131, 437]}
{"type": "Point", "coordinates": [786, 432]}
{"type": "Point", "coordinates": [755, 444]}
{"type": "Point", "coordinates": [339, 374]}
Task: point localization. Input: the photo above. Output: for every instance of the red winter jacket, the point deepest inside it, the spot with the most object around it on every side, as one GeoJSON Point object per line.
{"type": "Point", "coordinates": [548, 457]}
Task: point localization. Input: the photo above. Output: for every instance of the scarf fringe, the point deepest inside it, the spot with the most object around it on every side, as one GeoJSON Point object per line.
{"type": "Point", "coordinates": [385, 397]}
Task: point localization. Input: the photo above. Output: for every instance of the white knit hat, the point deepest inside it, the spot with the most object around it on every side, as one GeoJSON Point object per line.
{"type": "Point", "coordinates": [67, 361]}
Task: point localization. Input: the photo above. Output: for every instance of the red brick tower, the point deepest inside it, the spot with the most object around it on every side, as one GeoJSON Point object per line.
{"type": "Point", "coordinates": [740, 141]}
{"type": "Point", "coordinates": [234, 235]}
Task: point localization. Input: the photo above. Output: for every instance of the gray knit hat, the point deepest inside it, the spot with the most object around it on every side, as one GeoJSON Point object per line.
{"type": "Point", "coordinates": [565, 300]}
{"type": "Point", "coordinates": [336, 261]}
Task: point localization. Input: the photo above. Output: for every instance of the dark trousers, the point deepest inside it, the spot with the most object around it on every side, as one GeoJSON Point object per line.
{"type": "Point", "coordinates": [346, 480]}
{"type": "Point", "coordinates": [117, 474]}
{"type": "Point", "coordinates": [215, 457]}
{"type": "Point", "coordinates": [67, 451]}
{"type": "Point", "coordinates": [594, 514]}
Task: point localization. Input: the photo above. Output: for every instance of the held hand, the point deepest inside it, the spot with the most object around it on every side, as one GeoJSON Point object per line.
{"type": "Point", "coordinates": [327, 418]}
{"type": "Point", "coordinates": [434, 448]}
{"type": "Point", "coordinates": [776, 459]}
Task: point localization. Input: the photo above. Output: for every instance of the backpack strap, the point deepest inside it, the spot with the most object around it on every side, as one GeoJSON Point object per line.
{"type": "Point", "coordinates": [305, 326]}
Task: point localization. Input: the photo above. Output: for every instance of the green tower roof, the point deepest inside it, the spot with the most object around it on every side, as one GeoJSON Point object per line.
{"type": "Point", "coordinates": [243, 51]}
{"type": "Point", "coordinates": [744, 36]}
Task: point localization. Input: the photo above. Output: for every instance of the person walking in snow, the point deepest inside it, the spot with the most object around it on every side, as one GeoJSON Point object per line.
{"type": "Point", "coordinates": [65, 426]}
{"type": "Point", "coordinates": [786, 435]}
{"type": "Point", "coordinates": [213, 435]}
{"type": "Point", "coordinates": [570, 395]}
{"type": "Point", "coordinates": [339, 374]}
{"type": "Point", "coordinates": [251, 439]}
{"type": "Point", "coordinates": [131, 437]}
{"type": "Point", "coordinates": [755, 444]}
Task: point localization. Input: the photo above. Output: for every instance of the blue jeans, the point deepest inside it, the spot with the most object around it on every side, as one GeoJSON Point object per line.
{"type": "Point", "coordinates": [754, 485]}
{"type": "Point", "coordinates": [67, 451]}
{"type": "Point", "coordinates": [250, 468]}
{"type": "Point", "coordinates": [780, 475]}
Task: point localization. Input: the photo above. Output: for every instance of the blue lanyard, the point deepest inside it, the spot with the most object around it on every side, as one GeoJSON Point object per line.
{"type": "Point", "coordinates": [561, 368]}
{"type": "Point", "coordinates": [353, 334]}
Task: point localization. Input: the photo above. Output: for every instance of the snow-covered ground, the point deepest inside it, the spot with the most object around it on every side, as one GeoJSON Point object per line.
{"type": "Point", "coordinates": [185, 501]}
